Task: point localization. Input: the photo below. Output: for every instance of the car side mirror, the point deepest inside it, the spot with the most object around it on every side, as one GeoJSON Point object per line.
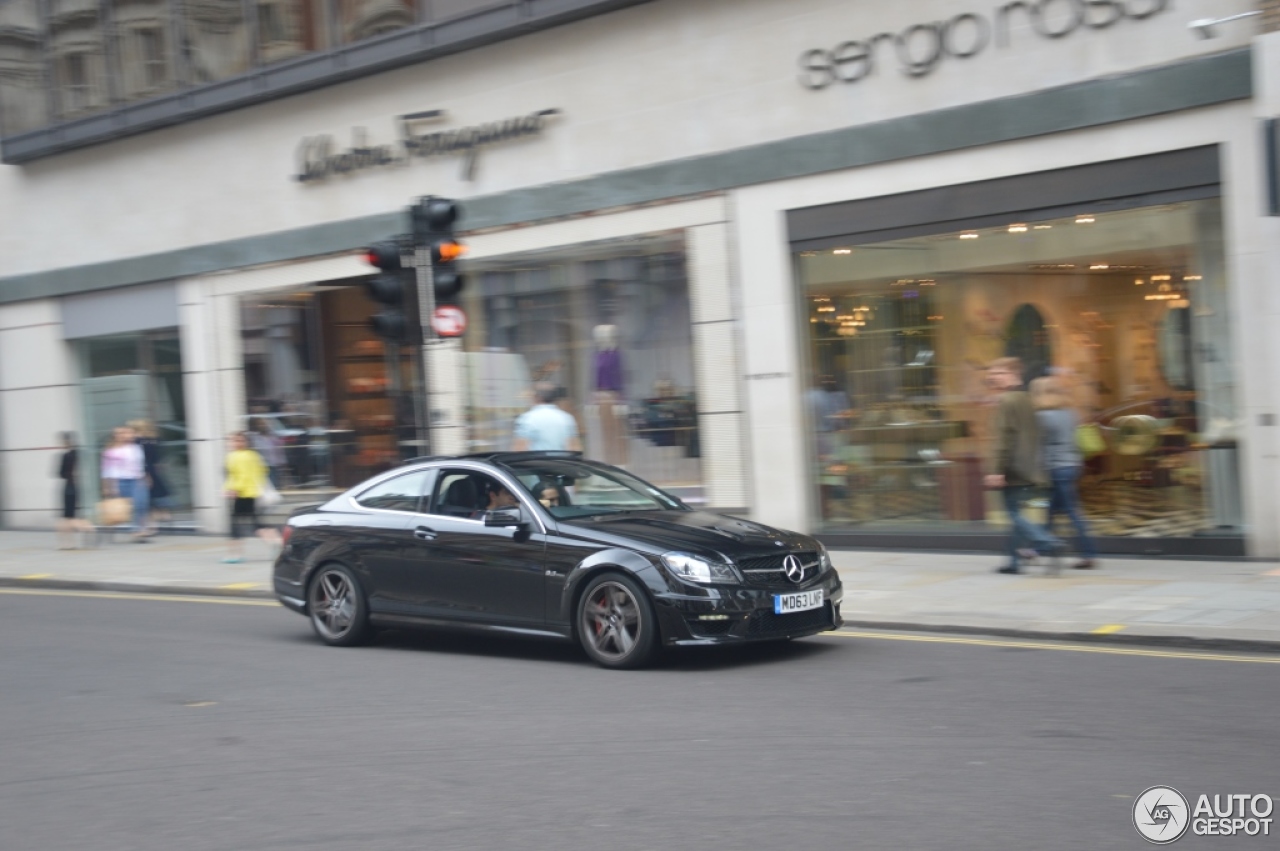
{"type": "Point", "coordinates": [512, 516]}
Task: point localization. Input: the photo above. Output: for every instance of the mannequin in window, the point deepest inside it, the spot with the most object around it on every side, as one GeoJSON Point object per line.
{"type": "Point", "coordinates": [610, 401]}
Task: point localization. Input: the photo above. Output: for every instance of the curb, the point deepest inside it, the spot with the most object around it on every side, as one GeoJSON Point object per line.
{"type": "Point", "coordinates": [135, 588]}
{"type": "Point", "coordinates": [1185, 642]}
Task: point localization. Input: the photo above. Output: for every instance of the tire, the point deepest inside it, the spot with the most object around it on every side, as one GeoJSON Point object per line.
{"type": "Point", "coordinates": [616, 623]}
{"type": "Point", "coordinates": [337, 607]}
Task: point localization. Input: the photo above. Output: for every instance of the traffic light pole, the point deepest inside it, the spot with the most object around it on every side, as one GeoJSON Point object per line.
{"type": "Point", "coordinates": [426, 306]}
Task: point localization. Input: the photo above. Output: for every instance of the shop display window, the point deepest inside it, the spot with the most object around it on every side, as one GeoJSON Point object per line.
{"type": "Point", "coordinates": [137, 378]}
{"type": "Point", "coordinates": [610, 326]}
{"type": "Point", "coordinates": [1128, 308]}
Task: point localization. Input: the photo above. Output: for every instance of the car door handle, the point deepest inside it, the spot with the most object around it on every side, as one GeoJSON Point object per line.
{"type": "Point", "coordinates": [422, 533]}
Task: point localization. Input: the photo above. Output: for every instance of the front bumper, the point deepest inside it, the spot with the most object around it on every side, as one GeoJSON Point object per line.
{"type": "Point", "coordinates": [730, 614]}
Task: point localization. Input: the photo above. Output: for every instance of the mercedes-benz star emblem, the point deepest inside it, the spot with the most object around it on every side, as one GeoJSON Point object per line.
{"type": "Point", "coordinates": [793, 568]}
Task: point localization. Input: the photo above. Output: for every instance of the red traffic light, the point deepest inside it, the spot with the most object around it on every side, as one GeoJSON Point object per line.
{"type": "Point", "coordinates": [383, 255]}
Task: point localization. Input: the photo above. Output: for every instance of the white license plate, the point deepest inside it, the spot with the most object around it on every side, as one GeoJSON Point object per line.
{"type": "Point", "coordinates": [785, 604]}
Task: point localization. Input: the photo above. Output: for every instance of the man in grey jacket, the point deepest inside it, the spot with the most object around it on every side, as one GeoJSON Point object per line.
{"type": "Point", "coordinates": [1015, 463]}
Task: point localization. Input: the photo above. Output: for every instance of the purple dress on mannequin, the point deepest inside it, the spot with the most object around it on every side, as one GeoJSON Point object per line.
{"type": "Point", "coordinates": [609, 370]}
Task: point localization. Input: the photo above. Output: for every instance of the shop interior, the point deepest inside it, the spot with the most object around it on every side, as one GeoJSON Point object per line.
{"type": "Point", "coordinates": [1128, 308]}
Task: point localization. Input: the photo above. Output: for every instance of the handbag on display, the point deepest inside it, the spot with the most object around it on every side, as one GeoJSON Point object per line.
{"type": "Point", "coordinates": [115, 511]}
{"type": "Point", "coordinates": [1090, 440]}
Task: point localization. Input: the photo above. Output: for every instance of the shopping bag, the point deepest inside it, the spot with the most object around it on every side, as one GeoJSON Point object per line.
{"type": "Point", "coordinates": [115, 511]}
{"type": "Point", "coordinates": [1089, 440]}
{"type": "Point", "coordinates": [269, 496]}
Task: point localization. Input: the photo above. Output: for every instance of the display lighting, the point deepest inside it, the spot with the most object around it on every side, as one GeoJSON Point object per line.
{"type": "Point", "coordinates": [1084, 220]}
{"type": "Point", "coordinates": [970, 235]}
{"type": "Point", "coordinates": [1017, 228]}
{"type": "Point", "coordinates": [1043, 227]}
{"type": "Point", "coordinates": [1192, 278]}
{"type": "Point", "coordinates": [1099, 267]}
{"type": "Point", "coordinates": [1137, 282]}
{"type": "Point", "coordinates": [1162, 277]}
{"type": "Point", "coordinates": [842, 251]}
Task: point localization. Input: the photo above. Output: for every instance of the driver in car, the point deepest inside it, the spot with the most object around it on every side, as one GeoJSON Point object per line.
{"type": "Point", "coordinates": [499, 497]}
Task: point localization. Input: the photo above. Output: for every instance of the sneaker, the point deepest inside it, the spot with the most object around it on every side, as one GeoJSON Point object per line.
{"type": "Point", "coordinates": [1009, 568]}
{"type": "Point", "coordinates": [1085, 564]}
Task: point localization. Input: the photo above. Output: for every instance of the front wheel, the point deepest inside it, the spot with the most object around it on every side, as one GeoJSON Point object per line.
{"type": "Point", "coordinates": [337, 607]}
{"type": "Point", "coordinates": [616, 622]}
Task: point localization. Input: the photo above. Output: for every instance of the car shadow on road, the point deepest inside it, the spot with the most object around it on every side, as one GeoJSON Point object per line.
{"type": "Point", "coordinates": [680, 659]}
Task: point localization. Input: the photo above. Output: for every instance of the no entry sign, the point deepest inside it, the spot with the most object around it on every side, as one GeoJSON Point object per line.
{"type": "Point", "coordinates": [449, 321]}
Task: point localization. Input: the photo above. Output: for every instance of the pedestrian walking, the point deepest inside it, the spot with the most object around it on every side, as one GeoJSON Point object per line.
{"type": "Point", "coordinates": [158, 492]}
{"type": "Point", "coordinates": [546, 426]}
{"type": "Point", "coordinates": [70, 522]}
{"type": "Point", "coordinates": [1062, 461]}
{"type": "Point", "coordinates": [246, 477]}
{"type": "Point", "coordinates": [124, 475]}
{"type": "Point", "coordinates": [268, 444]}
{"type": "Point", "coordinates": [1015, 463]}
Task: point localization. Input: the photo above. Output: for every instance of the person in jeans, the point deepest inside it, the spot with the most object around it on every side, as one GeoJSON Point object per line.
{"type": "Point", "coordinates": [1062, 461]}
{"type": "Point", "coordinates": [1015, 463]}
{"type": "Point", "coordinates": [124, 475]}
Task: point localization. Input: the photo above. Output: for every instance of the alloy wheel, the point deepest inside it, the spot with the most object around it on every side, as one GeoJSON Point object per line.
{"type": "Point", "coordinates": [333, 604]}
{"type": "Point", "coordinates": [612, 620]}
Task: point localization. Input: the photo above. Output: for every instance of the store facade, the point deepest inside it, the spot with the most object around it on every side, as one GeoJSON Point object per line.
{"type": "Point", "coordinates": [772, 290]}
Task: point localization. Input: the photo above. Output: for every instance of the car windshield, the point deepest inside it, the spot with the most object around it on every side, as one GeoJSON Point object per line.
{"type": "Point", "coordinates": [571, 488]}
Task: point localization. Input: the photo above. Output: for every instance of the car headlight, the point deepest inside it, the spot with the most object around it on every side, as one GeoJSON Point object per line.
{"type": "Point", "coordinates": [824, 559]}
{"type": "Point", "coordinates": [693, 569]}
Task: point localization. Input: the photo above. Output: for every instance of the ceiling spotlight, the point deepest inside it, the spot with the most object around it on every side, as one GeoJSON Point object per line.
{"type": "Point", "coordinates": [1203, 27]}
{"type": "Point", "coordinates": [969, 235]}
{"type": "Point", "coordinates": [842, 251]}
{"type": "Point", "coordinates": [1017, 228]}
{"type": "Point", "coordinates": [1084, 220]}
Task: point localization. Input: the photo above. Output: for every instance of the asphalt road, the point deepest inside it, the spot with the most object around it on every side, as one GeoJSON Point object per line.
{"type": "Point", "coordinates": [160, 724]}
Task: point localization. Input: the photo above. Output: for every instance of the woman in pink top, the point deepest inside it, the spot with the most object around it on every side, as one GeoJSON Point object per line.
{"type": "Point", "coordinates": [123, 473]}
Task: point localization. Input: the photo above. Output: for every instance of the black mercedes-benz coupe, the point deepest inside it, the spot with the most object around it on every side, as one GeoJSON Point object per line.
{"type": "Point", "coordinates": [548, 544]}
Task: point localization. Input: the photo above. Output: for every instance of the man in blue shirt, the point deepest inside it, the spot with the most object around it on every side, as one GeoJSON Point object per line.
{"type": "Point", "coordinates": [546, 426]}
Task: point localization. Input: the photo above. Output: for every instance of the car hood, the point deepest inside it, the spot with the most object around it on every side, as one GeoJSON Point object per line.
{"type": "Point", "coordinates": [697, 532]}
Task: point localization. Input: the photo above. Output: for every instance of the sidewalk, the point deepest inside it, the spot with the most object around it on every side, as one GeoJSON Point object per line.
{"type": "Point", "coordinates": [1211, 604]}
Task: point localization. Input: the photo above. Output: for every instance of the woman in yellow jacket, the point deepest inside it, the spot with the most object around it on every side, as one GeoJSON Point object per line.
{"type": "Point", "coordinates": [246, 477]}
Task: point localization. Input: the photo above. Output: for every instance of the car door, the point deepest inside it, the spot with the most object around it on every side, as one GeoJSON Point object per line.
{"type": "Point", "coordinates": [380, 533]}
{"type": "Point", "coordinates": [465, 570]}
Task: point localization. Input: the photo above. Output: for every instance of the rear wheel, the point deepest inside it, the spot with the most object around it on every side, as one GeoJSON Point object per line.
{"type": "Point", "coordinates": [339, 614]}
{"type": "Point", "coordinates": [616, 622]}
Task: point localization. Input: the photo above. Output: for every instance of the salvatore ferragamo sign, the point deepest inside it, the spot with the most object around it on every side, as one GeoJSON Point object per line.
{"type": "Point", "coordinates": [319, 157]}
{"type": "Point", "coordinates": [920, 49]}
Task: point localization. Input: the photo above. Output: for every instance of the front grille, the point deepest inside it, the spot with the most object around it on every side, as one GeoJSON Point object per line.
{"type": "Point", "coordinates": [767, 572]}
{"type": "Point", "coordinates": [764, 622]}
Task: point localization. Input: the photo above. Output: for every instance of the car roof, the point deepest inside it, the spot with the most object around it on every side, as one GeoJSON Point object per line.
{"type": "Point", "coordinates": [497, 457]}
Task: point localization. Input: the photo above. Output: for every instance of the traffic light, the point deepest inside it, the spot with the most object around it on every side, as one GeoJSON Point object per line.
{"type": "Point", "coordinates": [389, 289]}
{"type": "Point", "coordinates": [433, 220]}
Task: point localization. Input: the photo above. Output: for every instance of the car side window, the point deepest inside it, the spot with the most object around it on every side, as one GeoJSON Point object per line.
{"type": "Point", "coordinates": [469, 494]}
{"type": "Point", "coordinates": [402, 493]}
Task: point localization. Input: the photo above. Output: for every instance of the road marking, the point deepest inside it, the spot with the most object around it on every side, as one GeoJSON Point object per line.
{"type": "Point", "coordinates": [1107, 629]}
{"type": "Point", "coordinates": [118, 595]}
{"type": "Point", "coordinates": [1044, 645]}
{"type": "Point", "coordinates": [36, 576]}
{"type": "Point", "coordinates": [240, 586]}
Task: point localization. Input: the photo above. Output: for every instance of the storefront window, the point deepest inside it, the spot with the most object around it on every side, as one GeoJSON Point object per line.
{"type": "Point", "coordinates": [318, 406]}
{"type": "Point", "coordinates": [610, 326]}
{"type": "Point", "coordinates": [1128, 308]}
{"type": "Point", "coordinates": [138, 377]}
